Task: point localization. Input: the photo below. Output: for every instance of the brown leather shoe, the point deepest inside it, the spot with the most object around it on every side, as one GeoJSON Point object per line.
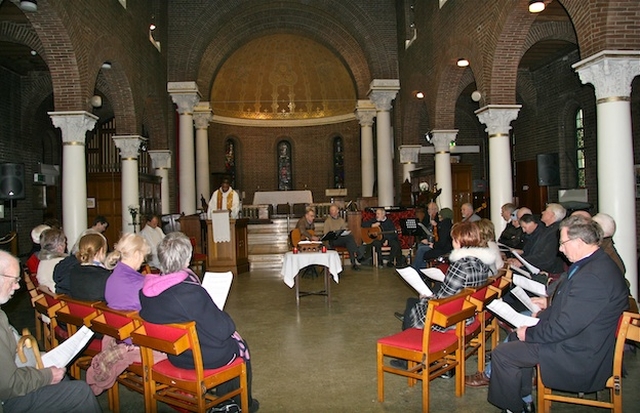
{"type": "Point", "coordinates": [476, 380]}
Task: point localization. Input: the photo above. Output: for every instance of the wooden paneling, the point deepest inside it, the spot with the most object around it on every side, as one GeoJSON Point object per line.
{"type": "Point", "coordinates": [528, 193]}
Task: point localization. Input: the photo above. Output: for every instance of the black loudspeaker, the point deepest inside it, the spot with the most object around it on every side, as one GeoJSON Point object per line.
{"type": "Point", "coordinates": [11, 181]}
{"type": "Point", "coordinates": [548, 169]}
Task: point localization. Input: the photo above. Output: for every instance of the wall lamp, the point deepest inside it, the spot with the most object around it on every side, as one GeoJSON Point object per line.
{"type": "Point", "coordinates": [462, 62]}
{"type": "Point", "coordinates": [536, 6]}
{"type": "Point", "coordinates": [29, 5]}
{"type": "Point", "coordinates": [419, 95]}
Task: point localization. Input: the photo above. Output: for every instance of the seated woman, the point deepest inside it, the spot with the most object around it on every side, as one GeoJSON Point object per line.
{"type": "Point", "coordinates": [432, 250]}
{"type": "Point", "coordinates": [125, 282]}
{"type": "Point", "coordinates": [488, 236]}
{"type": "Point", "coordinates": [176, 296]}
{"type": "Point", "coordinates": [470, 267]}
{"type": "Point", "coordinates": [53, 242]}
{"type": "Point", "coordinates": [88, 280]}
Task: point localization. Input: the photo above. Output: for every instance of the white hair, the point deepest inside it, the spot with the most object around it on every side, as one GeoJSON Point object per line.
{"type": "Point", "coordinates": [607, 223]}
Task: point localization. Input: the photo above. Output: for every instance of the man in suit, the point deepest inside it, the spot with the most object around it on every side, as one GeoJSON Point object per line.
{"type": "Point", "coordinates": [575, 338]}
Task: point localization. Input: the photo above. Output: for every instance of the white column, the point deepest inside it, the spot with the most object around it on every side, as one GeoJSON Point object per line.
{"type": "Point", "coordinates": [409, 156]}
{"type": "Point", "coordinates": [202, 115]}
{"type": "Point", "coordinates": [381, 93]}
{"type": "Point", "coordinates": [129, 146]}
{"type": "Point", "coordinates": [74, 127]}
{"type": "Point", "coordinates": [161, 163]}
{"type": "Point", "coordinates": [442, 144]}
{"type": "Point", "coordinates": [497, 118]}
{"type": "Point", "coordinates": [185, 95]}
{"type": "Point", "coordinates": [611, 74]}
{"type": "Point", "coordinates": [365, 112]}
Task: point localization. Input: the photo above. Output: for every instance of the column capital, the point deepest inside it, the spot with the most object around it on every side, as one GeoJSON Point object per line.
{"type": "Point", "coordinates": [382, 92]}
{"type": "Point", "coordinates": [365, 112]}
{"type": "Point", "coordinates": [129, 145]}
{"type": "Point", "coordinates": [409, 154]}
{"type": "Point", "coordinates": [497, 118]}
{"type": "Point", "coordinates": [610, 72]}
{"type": "Point", "coordinates": [202, 115]}
{"type": "Point", "coordinates": [185, 95]}
{"type": "Point", "coordinates": [160, 158]}
{"type": "Point", "coordinates": [442, 139]}
{"type": "Point", "coordinates": [74, 125]}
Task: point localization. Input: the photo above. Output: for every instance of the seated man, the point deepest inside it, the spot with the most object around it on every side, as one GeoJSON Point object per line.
{"type": "Point", "coordinates": [388, 236]}
{"type": "Point", "coordinates": [154, 235]}
{"type": "Point", "coordinates": [512, 235]}
{"type": "Point", "coordinates": [540, 247]}
{"type": "Point", "coordinates": [468, 214]}
{"type": "Point", "coordinates": [335, 222]}
{"type": "Point", "coordinates": [306, 225]}
{"type": "Point", "coordinates": [27, 389]}
{"type": "Point", "coordinates": [574, 341]}
{"type": "Point", "coordinates": [435, 249]}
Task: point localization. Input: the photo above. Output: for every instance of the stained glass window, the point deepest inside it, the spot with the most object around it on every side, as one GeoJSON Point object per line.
{"type": "Point", "coordinates": [285, 170]}
{"type": "Point", "coordinates": [580, 152]}
{"type": "Point", "coordinates": [230, 160]}
{"type": "Point", "coordinates": [338, 162]}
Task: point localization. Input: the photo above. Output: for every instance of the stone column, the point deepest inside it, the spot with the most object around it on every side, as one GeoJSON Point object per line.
{"type": "Point", "coordinates": [185, 95]}
{"type": "Point", "coordinates": [381, 93]}
{"type": "Point", "coordinates": [442, 144]}
{"type": "Point", "coordinates": [409, 155]}
{"type": "Point", "coordinates": [161, 163]}
{"type": "Point", "coordinates": [497, 118]}
{"type": "Point", "coordinates": [365, 112]}
{"type": "Point", "coordinates": [74, 127]}
{"type": "Point", "coordinates": [129, 146]}
{"type": "Point", "coordinates": [202, 115]}
{"type": "Point", "coordinates": [611, 74]}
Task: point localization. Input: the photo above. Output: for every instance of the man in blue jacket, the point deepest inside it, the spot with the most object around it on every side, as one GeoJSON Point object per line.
{"type": "Point", "coordinates": [575, 338]}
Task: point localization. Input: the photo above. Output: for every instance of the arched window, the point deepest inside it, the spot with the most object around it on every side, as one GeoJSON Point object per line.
{"type": "Point", "coordinates": [285, 170]}
{"type": "Point", "coordinates": [338, 162]}
{"type": "Point", "coordinates": [230, 160]}
{"type": "Point", "coordinates": [580, 154]}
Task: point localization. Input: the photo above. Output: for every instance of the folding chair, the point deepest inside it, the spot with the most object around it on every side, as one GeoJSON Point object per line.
{"type": "Point", "coordinates": [185, 388]}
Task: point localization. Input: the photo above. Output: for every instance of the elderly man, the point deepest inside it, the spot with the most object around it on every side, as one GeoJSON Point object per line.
{"type": "Point", "coordinates": [512, 235]}
{"type": "Point", "coordinates": [468, 214]}
{"type": "Point", "coordinates": [306, 225]}
{"type": "Point", "coordinates": [224, 198]}
{"type": "Point", "coordinates": [574, 340]}
{"type": "Point", "coordinates": [27, 389]}
{"type": "Point", "coordinates": [335, 223]}
{"type": "Point", "coordinates": [387, 236]}
{"type": "Point", "coordinates": [539, 247]}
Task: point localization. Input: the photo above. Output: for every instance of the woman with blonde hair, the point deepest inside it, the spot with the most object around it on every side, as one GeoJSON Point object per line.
{"type": "Point", "coordinates": [87, 280]}
{"type": "Point", "coordinates": [488, 240]}
{"type": "Point", "coordinates": [125, 282]}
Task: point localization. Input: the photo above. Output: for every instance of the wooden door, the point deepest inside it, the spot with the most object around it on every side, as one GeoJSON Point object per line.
{"type": "Point", "coordinates": [528, 192]}
{"type": "Point", "coordinates": [462, 187]}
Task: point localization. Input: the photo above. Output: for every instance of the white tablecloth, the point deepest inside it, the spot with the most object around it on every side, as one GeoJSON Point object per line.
{"type": "Point", "coordinates": [293, 263]}
{"type": "Point", "coordinates": [282, 197]}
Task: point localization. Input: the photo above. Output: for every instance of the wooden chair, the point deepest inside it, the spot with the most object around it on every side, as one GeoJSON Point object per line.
{"type": "Point", "coordinates": [120, 325]}
{"type": "Point", "coordinates": [475, 339]}
{"type": "Point", "coordinates": [186, 389]}
{"type": "Point", "coordinates": [429, 353]}
{"type": "Point", "coordinates": [47, 306]}
{"type": "Point", "coordinates": [35, 294]}
{"type": "Point", "coordinates": [198, 259]}
{"type": "Point", "coordinates": [628, 329]}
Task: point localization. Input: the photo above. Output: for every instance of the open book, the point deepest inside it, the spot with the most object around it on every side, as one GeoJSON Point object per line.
{"type": "Point", "coordinates": [433, 273]}
{"type": "Point", "coordinates": [411, 276]}
{"type": "Point", "coordinates": [532, 269]}
{"type": "Point", "coordinates": [511, 316]}
{"type": "Point", "coordinates": [519, 293]}
{"type": "Point", "coordinates": [218, 285]}
{"type": "Point", "coordinates": [62, 355]}
{"type": "Point", "coordinates": [530, 285]}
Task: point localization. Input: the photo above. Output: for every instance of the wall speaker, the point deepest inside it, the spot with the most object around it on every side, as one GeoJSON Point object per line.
{"type": "Point", "coordinates": [548, 169]}
{"type": "Point", "coordinates": [11, 181]}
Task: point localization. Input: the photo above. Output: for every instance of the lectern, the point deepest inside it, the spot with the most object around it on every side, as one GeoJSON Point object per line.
{"type": "Point", "coordinates": [229, 256]}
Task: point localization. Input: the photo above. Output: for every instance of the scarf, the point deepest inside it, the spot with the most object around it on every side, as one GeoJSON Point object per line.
{"type": "Point", "coordinates": [229, 200]}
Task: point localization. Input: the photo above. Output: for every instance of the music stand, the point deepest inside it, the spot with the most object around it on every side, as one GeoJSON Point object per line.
{"type": "Point", "coordinates": [410, 226]}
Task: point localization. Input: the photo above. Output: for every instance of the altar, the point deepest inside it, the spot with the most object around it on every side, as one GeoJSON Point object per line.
{"type": "Point", "coordinates": [282, 197]}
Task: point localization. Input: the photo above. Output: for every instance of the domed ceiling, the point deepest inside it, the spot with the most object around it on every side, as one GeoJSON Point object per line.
{"type": "Point", "coordinates": [283, 77]}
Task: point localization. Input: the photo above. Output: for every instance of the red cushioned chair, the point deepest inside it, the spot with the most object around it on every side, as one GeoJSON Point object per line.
{"type": "Point", "coordinates": [46, 307]}
{"type": "Point", "coordinates": [429, 353]}
{"type": "Point", "coordinates": [475, 339]}
{"type": "Point", "coordinates": [185, 388]}
{"type": "Point", "coordinates": [198, 259]}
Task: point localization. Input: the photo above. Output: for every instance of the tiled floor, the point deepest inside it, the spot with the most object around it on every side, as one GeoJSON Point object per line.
{"type": "Point", "coordinates": [320, 357]}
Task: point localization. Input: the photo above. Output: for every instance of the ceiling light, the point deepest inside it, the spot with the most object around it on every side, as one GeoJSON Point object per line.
{"type": "Point", "coordinates": [419, 95]}
{"type": "Point", "coordinates": [106, 65]}
{"type": "Point", "coordinates": [536, 6]}
{"type": "Point", "coordinates": [96, 101]}
{"type": "Point", "coordinates": [152, 27]}
{"type": "Point", "coordinates": [476, 96]}
{"type": "Point", "coordinates": [29, 5]}
{"type": "Point", "coordinates": [33, 53]}
{"type": "Point", "coordinates": [462, 62]}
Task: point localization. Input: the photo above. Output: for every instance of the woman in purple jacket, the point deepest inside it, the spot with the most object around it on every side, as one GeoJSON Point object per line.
{"type": "Point", "coordinates": [125, 282]}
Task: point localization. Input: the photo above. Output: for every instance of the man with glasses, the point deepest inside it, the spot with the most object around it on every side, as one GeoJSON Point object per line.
{"type": "Point", "coordinates": [27, 389]}
{"type": "Point", "coordinates": [573, 342]}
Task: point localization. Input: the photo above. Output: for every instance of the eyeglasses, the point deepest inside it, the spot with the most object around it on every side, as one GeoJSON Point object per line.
{"type": "Point", "coordinates": [564, 242]}
{"type": "Point", "coordinates": [16, 280]}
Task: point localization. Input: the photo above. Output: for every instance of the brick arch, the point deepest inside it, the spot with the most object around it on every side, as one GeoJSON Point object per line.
{"type": "Point", "coordinates": [546, 31]}
{"type": "Point", "coordinates": [527, 90]}
{"type": "Point", "coordinates": [116, 87]}
{"type": "Point", "coordinates": [40, 88]}
{"type": "Point", "coordinates": [216, 39]}
{"type": "Point", "coordinates": [60, 55]}
{"type": "Point", "coordinates": [19, 33]}
{"type": "Point", "coordinates": [155, 121]}
{"type": "Point", "coordinates": [449, 88]}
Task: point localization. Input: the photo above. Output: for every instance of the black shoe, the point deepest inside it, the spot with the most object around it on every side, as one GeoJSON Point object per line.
{"type": "Point", "coordinates": [529, 408]}
{"type": "Point", "coordinates": [399, 316]}
{"type": "Point", "coordinates": [449, 374]}
{"type": "Point", "coordinates": [228, 406]}
{"type": "Point", "coordinates": [355, 267]}
{"type": "Point", "coordinates": [399, 364]}
{"type": "Point", "coordinates": [390, 264]}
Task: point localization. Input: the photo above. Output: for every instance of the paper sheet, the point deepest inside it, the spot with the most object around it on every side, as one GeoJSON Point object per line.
{"type": "Point", "coordinates": [529, 267]}
{"type": "Point", "coordinates": [412, 277]}
{"type": "Point", "coordinates": [62, 355]}
{"type": "Point", "coordinates": [525, 299]}
{"type": "Point", "coordinates": [511, 316]}
{"type": "Point", "coordinates": [218, 285]}
{"type": "Point", "coordinates": [530, 285]}
{"type": "Point", "coordinates": [520, 271]}
{"type": "Point", "coordinates": [433, 273]}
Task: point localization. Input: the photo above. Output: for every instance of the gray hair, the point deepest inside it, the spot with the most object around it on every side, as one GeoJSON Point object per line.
{"type": "Point", "coordinates": [607, 223]}
{"type": "Point", "coordinates": [581, 227]}
{"type": "Point", "coordinates": [558, 211]}
{"type": "Point", "coordinates": [174, 252]}
{"type": "Point", "coordinates": [509, 207]}
{"type": "Point", "coordinates": [50, 240]}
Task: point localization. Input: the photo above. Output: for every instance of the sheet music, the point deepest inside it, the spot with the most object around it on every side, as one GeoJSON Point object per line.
{"type": "Point", "coordinates": [433, 273]}
{"type": "Point", "coordinates": [503, 247]}
{"type": "Point", "coordinates": [62, 355]}
{"type": "Point", "coordinates": [520, 271]}
{"type": "Point", "coordinates": [218, 285]}
{"type": "Point", "coordinates": [511, 316]}
{"type": "Point", "coordinates": [345, 232]}
{"type": "Point", "coordinates": [530, 285]}
{"type": "Point", "coordinates": [530, 268]}
{"type": "Point", "coordinates": [412, 277]}
{"type": "Point", "coordinates": [525, 299]}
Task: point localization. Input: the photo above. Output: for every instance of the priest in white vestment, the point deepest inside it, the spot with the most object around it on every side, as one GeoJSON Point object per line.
{"type": "Point", "coordinates": [224, 198]}
{"type": "Point", "coordinates": [153, 234]}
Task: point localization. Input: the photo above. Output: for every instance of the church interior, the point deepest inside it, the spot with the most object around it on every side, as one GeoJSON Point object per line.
{"type": "Point", "coordinates": [123, 109]}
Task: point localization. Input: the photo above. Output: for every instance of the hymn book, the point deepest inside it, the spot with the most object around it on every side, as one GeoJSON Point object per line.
{"type": "Point", "coordinates": [411, 276]}
{"type": "Point", "coordinates": [530, 285]}
{"type": "Point", "coordinates": [66, 351]}
{"type": "Point", "coordinates": [511, 316]}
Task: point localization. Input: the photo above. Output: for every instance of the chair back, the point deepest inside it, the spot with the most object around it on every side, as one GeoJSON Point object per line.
{"type": "Point", "coordinates": [114, 323]}
{"type": "Point", "coordinates": [76, 313]}
{"type": "Point", "coordinates": [481, 296]}
{"type": "Point", "coordinates": [172, 339]}
{"type": "Point", "coordinates": [446, 312]}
